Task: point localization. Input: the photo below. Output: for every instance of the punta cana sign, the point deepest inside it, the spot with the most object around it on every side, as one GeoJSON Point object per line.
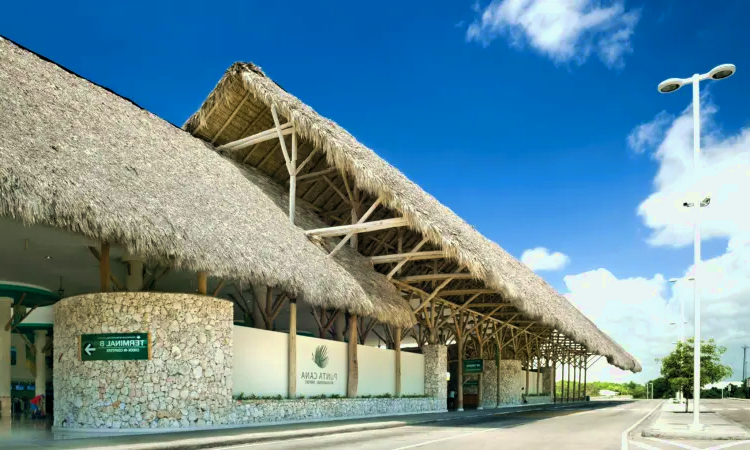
{"type": "Point", "coordinates": [115, 347]}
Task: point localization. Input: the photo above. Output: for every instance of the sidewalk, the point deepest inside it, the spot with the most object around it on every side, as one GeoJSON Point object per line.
{"type": "Point", "coordinates": [235, 436]}
{"type": "Point", "coordinates": [673, 423]}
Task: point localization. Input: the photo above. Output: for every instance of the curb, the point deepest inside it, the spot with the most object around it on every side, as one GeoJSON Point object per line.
{"type": "Point", "coordinates": [695, 435]}
{"type": "Point", "coordinates": [252, 438]}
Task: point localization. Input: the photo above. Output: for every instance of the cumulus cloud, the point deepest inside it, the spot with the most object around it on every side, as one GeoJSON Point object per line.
{"type": "Point", "coordinates": [541, 259]}
{"type": "Point", "coordinates": [637, 312]}
{"type": "Point", "coordinates": [564, 30]}
{"type": "Point", "coordinates": [724, 176]}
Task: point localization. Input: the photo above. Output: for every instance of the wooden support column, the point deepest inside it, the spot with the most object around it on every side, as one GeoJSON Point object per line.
{"type": "Point", "coordinates": [293, 178]}
{"type": "Point", "coordinates": [585, 371]}
{"type": "Point", "coordinates": [460, 382]}
{"type": "Point", "coordinates": [480, 387]}
{"type": "Point", "coordinates": [538, 369]}
{"type": "Point", "coordinates": [562, 382]}
{"type": "Point", "coordinates": [528, 369]}
{"type": "Point", "coordinates": [567, 385]}
{"type": "Point", "coordinates": [575, 369]}
{"type": "Point", "coordinates": [292, 348]}
{"type": "Point", "coordinates": [203, 282]}
{"type": "Point", "coordinates": [499, 349]}
{"type": "Point", "coordinates": [397, 348]}
{"type": "Point", "coordinates": [353, 377]}
{"type": "Point", "coordinates": [104, 270]}
{"type": "Point", "coordinates": [580, 376]}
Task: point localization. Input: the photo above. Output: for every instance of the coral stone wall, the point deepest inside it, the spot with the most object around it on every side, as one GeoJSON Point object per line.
{"type": "Point", "coordinates": [509, 381]}
{"type": "Point", "coordinates": [269, 411]}
{"type": "Point", "coordinates": [435, 369]}
{"type": "Point", "coordinates": [489, 384]}
{"type": "Point", "coordinates": [547, 382]}
{"type": "Point", "coordinates": [188, 381]}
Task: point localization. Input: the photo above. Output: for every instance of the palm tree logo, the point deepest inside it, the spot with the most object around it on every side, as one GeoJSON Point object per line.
{"type": "Point", "coordinates": [320, 356]}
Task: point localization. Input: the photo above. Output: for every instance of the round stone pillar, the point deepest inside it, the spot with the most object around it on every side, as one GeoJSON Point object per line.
{"type": "Point", "coordinates": [186, 382]}
{"type": "Point", "coordinates": [5, 315]}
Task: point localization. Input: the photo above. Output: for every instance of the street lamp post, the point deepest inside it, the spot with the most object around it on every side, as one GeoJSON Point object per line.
{"type": "Point", "coordinates": [665, 87]}
{"type": "Point", "coordinates": [681, 327]}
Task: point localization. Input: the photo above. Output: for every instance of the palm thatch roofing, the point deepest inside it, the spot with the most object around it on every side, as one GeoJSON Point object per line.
{"type": "Point", "coordinates": [239, 106]}
{"type": "Point", "coordinates": [79, 157]}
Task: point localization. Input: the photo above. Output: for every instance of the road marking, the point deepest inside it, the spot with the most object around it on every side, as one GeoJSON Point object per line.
{"type": "Point", "coordinates": [676, 444]}
{"type": "Point", "coordinates": [447, 438]}
{"type": "Point", "coordinates": [643, 445]}
{"type": "Point", "coordinates": [730, 444]}
{"type": "Point", "coordinates": [626, 432]}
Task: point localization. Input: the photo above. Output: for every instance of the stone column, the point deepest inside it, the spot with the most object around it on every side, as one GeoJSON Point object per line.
{"type": "Point", "coordinates": [547, 380]}
{"type": "Point", "coordinates": [5, 315]}
{"type": "Point", "coordinates": [489, 384]}
{"type": "Point", "coordinates": [435, 368]}
{"type": "Point", "coordinates": [40, 341]}
{"type": "Point", "coordinates": [509, 384]}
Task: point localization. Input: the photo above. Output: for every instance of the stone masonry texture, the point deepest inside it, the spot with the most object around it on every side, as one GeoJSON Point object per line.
{"type": "Point", "coordinates": [489, 384]}
{"type": "Point", "coordinates": [188, 381]}
{"type": "Point", "coordinates": [435, 369]}
{"type": "Point", "coordinates": [509, 381]}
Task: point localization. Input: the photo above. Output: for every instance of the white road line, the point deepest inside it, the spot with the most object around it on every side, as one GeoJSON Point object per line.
{"type": "Point", "coordinates": [626, 432]}
{"type": "Point", "coordinates": [730, 444]}
{"type": "Point", "coordinates": [643, 445]}
{"type": "Point", "coordinates": [676, 444]}
{"type": "Point", "coordinates": [447, 438]}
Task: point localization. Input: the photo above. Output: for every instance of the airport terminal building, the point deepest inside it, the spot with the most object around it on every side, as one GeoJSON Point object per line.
{"type": "Point", "coordinates": [256, 265]}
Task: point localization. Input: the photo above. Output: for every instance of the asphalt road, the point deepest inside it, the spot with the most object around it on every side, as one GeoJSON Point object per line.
{"type": "Point", "coordinates": [593, 426]}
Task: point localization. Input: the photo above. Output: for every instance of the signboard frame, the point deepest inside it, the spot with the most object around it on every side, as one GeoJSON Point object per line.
{"type": "Point", "coordinates": [473, 366]}
{"type": "Point", "coordinates": [140, 354]}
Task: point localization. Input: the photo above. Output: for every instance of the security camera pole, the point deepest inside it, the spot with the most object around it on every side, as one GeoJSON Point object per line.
{"type": "Point", "coordinates": [665, 87]}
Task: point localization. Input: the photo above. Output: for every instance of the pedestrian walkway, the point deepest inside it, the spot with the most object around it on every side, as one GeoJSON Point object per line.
{"type": "Point", "coordinates": [673, 423]}
{"type": "Point", "coordinates": [235, 436]}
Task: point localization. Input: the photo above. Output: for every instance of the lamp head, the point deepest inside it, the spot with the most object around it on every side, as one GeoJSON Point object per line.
{"type": "Point", "coordinates": [722, 71]}
{"type": "Point", "coordinates": [670, 85]}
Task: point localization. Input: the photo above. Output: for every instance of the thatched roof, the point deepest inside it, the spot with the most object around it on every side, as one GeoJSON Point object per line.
{"type": "Point", "coordinates": [233, 110]}
{"type": "Point", "coordinates": [79, 157]}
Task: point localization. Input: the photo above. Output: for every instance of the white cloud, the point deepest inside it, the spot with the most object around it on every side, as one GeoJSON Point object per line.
{"type": "Point", "coordinates": [649, 134]}
{"type": "Point", "coordinates": [541, 259]}
{"type": "Point", "coordinates": [564, 30]}
{"type": "Point", "coordinates": [724, 176]}
{"type": "Point", "coordinates": [636, 312]}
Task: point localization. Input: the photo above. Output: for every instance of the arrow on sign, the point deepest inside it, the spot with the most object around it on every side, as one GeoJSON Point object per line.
{"type": "Point", "coordinates": [89, 349]}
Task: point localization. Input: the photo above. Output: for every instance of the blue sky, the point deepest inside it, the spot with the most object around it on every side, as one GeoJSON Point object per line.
{"type": "Point", "coordinates": [528, 146]}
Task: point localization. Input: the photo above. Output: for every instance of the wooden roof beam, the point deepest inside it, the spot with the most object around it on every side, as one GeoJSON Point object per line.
{"type": "Point", "coordinates": [436, 277]}
{"type": "Point", "coordinates": [414, 256]}
{"type": "Point", "coordinates": [357, 228]}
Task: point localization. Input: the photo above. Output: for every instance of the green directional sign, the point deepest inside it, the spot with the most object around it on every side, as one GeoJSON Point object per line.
{"type": "Point", "coordinates": [115, 347]}
{"type": "Point", "coordinates": [473, 365]}
{"type": "Point", "coordinates": [471, 383]}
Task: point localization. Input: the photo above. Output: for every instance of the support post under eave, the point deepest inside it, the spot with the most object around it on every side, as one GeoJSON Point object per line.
{"type": "Point", "coordinates": [460, 370]}
{"type": "Point", "coordinates": [585, 370]}
{"type": "Point", "coordinates": [575, 370]}
{"type": "Point", "coordinates": [104, 269]}
{"type": "Point", "coordinates": [580, 375]}
{"type": "Point", "coordinates": [353, 377]}
{"type": "Point", "coordinates": [397, 348]}
{"type": "Point", "coordinates": [562, 382]}
{"type": "Point", "coordinates": [292, 348]}
{"type": "Point", "coordinates": [538, 370]}
{"type": "Point", "coordinates": [203, 282]}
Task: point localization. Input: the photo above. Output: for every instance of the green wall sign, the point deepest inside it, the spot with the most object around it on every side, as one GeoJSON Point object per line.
{"type": "Point", "coordinates": [471, 383]}
{"type": "Point", "coordinates": [473, 365]}
{"type": "Point", "coordinates": [115, 347]}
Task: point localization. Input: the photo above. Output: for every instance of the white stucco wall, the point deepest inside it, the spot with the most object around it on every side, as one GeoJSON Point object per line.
{"type": "Point", "coordinates": [328, 380]}
{"type": "Point", "coordinates": [412, 373]}
{"type": "Point", "coordinates": [260, 362]}
{"type": "Point", "coordinates": [261, 367]}
{"type": "Point", "coordinates": [377, 371]}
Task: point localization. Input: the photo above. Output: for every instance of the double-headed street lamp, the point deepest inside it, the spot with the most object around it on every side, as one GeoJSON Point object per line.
{"type": "Point", "coordinates": [665, 87]}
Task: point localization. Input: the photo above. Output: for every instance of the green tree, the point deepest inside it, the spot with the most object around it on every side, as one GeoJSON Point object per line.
{"type": "Point", "coordinates": [677, 367]}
